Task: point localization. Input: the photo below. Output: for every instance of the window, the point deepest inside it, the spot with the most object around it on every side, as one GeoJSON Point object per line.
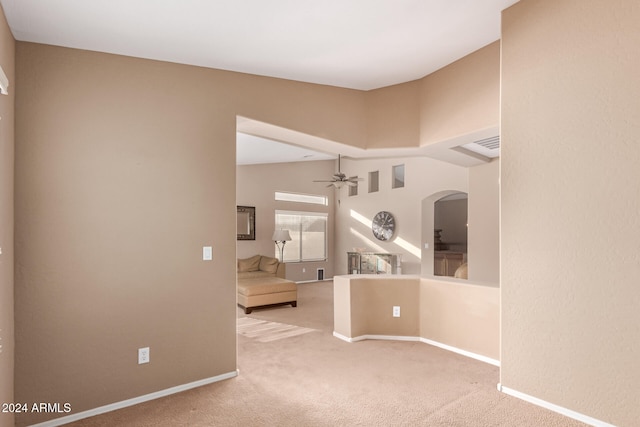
{"type": "Point", "coordinates": [373, 182]}
{"type": "Point", "coordinates": [398, 177]}
{"type": "Point", "coordinates": [308, 232]}
{"type": "Point", "coordinates": [353, 189]}
{"type": "Point", "coordinates": [301, 198]}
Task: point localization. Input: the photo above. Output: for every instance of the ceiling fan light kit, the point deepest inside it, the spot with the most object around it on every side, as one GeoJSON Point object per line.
{"type": "Point", "coordinates": [340, 179]}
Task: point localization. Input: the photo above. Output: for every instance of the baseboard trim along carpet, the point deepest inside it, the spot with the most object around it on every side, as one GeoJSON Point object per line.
{"type": "Point", "coordinates": [136, 400]}
{"type": "Point", "coordinates": [423, 340]}
{"type": "Point", "coordinates": [555, 408]}
{"type": "Point", "coordinates": [375, 337]}
{"type": "Point", "coordinates": [476, 356]}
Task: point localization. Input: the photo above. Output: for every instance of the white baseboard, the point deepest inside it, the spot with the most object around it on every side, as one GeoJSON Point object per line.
{"type": "Point", "coordinates": [375, 337]}
{"type": "Point", "coordinates": [476, 356]}
{"type": "Point", "coordinates": [423, 340]}
{"type": "Point", "coordinates": [552, 407]}
{"type": "Point", "coordinates": [342, 337]}
{"type": "Point", "coordinates": [136, 400]}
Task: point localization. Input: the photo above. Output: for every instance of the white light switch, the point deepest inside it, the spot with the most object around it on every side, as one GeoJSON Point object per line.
{"type": "Point", "coordinates": [207, 253]}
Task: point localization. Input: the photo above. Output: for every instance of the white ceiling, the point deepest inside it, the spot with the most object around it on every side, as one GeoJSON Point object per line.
{"type": "Point", "coordinates": [359, 44]}
{"type": "Point", "coordinates": [251, 150]}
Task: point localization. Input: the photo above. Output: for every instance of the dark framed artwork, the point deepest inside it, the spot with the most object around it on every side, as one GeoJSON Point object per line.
{"type": "Point", "coordinates": [246, 222]}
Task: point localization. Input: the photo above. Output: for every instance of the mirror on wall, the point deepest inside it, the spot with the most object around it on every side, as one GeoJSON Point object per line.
{"type": "Point", "coordinates": [450, 236]}
{"type": "Point", "coordinates": [246, 223]}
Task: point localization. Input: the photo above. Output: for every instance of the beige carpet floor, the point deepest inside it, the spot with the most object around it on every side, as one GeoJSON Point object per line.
{"type": "Point", "coordinates": [313, 379]}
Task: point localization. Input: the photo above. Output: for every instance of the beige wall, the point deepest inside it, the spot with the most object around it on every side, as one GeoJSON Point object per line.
{"type": "Point", "coordinates": [570, 202]}
{"type": "Point", "coordinates": [484, 224]}
{"type": "Point", "coordinates": [332, 113]}
{"type": "Point", "coordinates": [456, 100]}
{"type": "Point", "coordinates": [256, 185]}
{"type": "Point", "coordinates": [461, 98]}
{"type": "Point", "coordinates": [393, 116]}
{"type": "Point", "coordinates": [372, 302]}
{"type": "Point", "coordinates": [117, 190]}
{"type": "Point", "coordinates": [462, 316]}
{"type": "Point", "coordinates": [7, 58]}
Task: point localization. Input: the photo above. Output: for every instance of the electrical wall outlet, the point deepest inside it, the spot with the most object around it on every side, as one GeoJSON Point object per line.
{"type": "Point", "coordinates": [207, 253]}
{"type": "Point", "coordinates": [396, 311]}
{"type": "Point", "coordinates": [143, 355]}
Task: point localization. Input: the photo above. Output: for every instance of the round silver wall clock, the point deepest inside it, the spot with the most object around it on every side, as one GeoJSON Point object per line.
{"type": "Point", "coordinates": [383, 225]}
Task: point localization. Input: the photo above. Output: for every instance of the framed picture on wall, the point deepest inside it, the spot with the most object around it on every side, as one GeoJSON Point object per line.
{"type": "Point", "coordinates": [246, 223]}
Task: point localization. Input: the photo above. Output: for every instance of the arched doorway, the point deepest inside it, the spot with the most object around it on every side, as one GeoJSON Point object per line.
{"type": "Point", "coordinates": [444, 233]}
{"type": "Point", "coordinates": [450, 236]}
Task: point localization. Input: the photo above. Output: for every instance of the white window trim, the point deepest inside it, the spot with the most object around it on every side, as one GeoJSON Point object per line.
{"type": "Point", "coordinates": [326, 232]}
{"type": "Point", "coordinates": [284, 196]}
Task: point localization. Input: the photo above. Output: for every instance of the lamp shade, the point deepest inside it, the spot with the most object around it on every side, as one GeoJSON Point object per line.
{"type": "Point", "coordinates": [281, 236]}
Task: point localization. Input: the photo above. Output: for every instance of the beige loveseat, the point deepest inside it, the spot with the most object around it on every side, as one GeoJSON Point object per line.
{"type": "Point", "coordinates": [262, 283]}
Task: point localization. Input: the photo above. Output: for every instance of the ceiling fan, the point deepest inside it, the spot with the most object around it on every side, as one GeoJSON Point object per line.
{"type": "Point", "coordinates": [339, 179]}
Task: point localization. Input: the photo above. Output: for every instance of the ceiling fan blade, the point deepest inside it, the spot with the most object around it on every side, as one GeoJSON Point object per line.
{"type": "Point", "coordinates": [339, 178]}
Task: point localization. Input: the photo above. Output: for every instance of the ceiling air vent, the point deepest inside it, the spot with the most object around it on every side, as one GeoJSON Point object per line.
{"type": "Point", "coordinates": [492, 143]}
{"type": "Point", "coordinates": [487, 147]}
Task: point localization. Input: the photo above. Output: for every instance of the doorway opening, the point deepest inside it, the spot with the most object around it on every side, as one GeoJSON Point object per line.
{"type": "Point", "coordinates": [450, 224]}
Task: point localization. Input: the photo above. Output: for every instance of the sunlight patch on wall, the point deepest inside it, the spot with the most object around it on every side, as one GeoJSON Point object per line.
{"type": "Point", "coordinates": [412, 249]}
{"type": "Point", "coordinates": [361, 218]}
